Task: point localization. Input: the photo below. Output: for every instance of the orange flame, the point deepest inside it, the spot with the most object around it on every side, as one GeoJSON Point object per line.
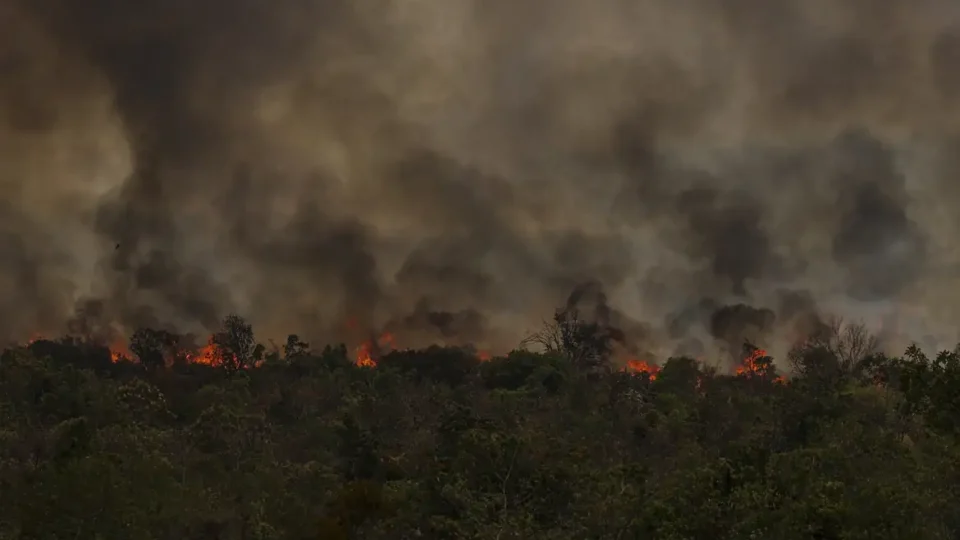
{"type": "Point", "coordinates": [363, 356]}
{"type": "Point", "coordinates": [206, 355]}
{"type": "Point", "coordinates": [210, 354]}
{"type": "Point", "coordinates": [116, 356]}
{"type": "Point", "coordinates": [640, 366]}
{"type": "Point", "coordinates": [367, 352]}
{"type": "Point", "coordinates": [752, 366]}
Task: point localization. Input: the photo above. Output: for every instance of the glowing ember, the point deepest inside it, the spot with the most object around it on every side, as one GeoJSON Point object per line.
{"type": "Point", "coordinates": [208, 354]}
{"type": "Point", "coordinates": [752, 364]}
{"type": "Point", "coordinates": [211, 354]}
{"type": "Point", "coordinates": [640, 366]}
{"type": "Point", "coordinates": [205, 355]}
{"type": "Point", "coordinates": [367, 353]}
{"type": "Point", "coordinates": [363, 356]}
{"type": "Point", "coordinates": [757, 364]}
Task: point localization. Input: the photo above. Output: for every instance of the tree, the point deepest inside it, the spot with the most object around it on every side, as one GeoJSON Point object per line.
{"type": "Point", "coordinates": [586, 344]}
{"type": "Point", "coordinates": [836, 345]}
{"type": "Point", "coordinates": [235, 347]}
{"type": "Point", "coordinates": [152, 347]}
{"type": "Point", "coordinates": [294, 348]}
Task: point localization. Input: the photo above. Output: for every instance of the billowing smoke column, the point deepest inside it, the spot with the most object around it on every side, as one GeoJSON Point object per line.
{"type": "Point", "coordinates": [454, 168]}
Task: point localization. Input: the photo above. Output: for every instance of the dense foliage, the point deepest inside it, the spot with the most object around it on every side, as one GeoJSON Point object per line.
{"type": "Point", "coordinates": [434, 443]}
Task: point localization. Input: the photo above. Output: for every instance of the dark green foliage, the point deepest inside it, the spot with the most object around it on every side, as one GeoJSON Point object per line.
{"type": "Point", "coordinates": [930, 387]}
{"type": "Point", "coordinates": [524, 369]}
{"type": "Point", "coordinates": [679, 376]}
{"type": "Point", "coordinates": [436, 444]}
{"type": "Point", "coordinates": [152, 347]}
{"type": "Point", "coordinates": [447, 365]}
{"type": "Point", "coordinates": [74, 352]}
{"type": "Point", "coordinates": [586, 344]}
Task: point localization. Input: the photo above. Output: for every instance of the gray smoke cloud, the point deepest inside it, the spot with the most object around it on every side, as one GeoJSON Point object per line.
{"type": "Point", "coordinates": [454, 168]}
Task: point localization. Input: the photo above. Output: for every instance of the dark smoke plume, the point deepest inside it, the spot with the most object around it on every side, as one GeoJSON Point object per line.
{"type": "Point", "coordinates": [456, 167]}
{"type": "Point", "coordinates": [737, 324]}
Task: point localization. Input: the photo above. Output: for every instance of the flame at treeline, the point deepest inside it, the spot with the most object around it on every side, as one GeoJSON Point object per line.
{"type": "Point", "coordinates": [368, 353]}
{"type": "Point", "coordinates": [757, 363]}
{"type": "Point", "coordinates": [208, 354]}
{"type": "Point", "coordinates": [640, 366]}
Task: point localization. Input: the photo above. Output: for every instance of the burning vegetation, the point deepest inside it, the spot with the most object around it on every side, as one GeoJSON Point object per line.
{"type": "Point", "coordinates": [585, 330]}
{"type": "Point", "coordinates": [166, 418]}
{"type": "Point", "coordinates": [639, 366]}
{"type": "Point", "coordinates": [420, 182]}
{"type": "Point", "coordinates": [233, 347]}
{"type": "Point", "coordinates": [165, 423]}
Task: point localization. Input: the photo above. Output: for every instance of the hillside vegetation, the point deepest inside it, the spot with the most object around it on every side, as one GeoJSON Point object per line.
{"type": "Point", "coordinates": [303, 443]}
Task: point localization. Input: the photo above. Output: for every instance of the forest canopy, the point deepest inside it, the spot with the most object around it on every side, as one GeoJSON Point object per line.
{"type": "Point", "coordinates": [249, 441]}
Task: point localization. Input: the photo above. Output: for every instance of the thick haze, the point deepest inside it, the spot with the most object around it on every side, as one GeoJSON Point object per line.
{"type": "Point", "coordinates": [452, 169]}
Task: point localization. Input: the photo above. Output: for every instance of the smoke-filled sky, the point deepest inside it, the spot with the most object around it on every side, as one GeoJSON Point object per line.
{"type": "Point", "coordinates": [455, 168]}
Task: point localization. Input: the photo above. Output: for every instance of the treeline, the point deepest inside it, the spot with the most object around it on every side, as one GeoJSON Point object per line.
{"type": "Point", "coordinates": [302, 443]}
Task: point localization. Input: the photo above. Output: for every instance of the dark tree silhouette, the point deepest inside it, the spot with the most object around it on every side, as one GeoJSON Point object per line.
{"type": "Point", "coordinates": [294, 348]}
{"type": "Point", "coordinates": [235, 346]}
{"type": "Point", "coordinates": [586, 344]}
{"type": "Point", "coordinates": [153, 347]}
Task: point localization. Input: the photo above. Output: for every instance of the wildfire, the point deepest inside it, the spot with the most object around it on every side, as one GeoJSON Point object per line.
{"type": "Point", "coordinates": [756, 364]}
{"type": "Point", "coordinates": [752, 364]}
{"type": "Point", "coordinates": [364, 359]}
{"type": "Point", "coordinates": [116, 355]}
{"type": "Point", "coordinates": [367, 353]}
{"type": "Point", "coordinates": [210, 354]}
{"type": "Point", "coordinates": [640, 366]}
{"type": "Point", "coordinates": [205, 355]}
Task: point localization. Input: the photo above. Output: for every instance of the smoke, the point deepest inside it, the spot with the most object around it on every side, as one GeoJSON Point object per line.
{"type": "Point", "coordinates": [455, 168]}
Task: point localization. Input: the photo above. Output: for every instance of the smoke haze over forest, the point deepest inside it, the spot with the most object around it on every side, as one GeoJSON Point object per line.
{"type": "Point", "coordinates": [453, 169]}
